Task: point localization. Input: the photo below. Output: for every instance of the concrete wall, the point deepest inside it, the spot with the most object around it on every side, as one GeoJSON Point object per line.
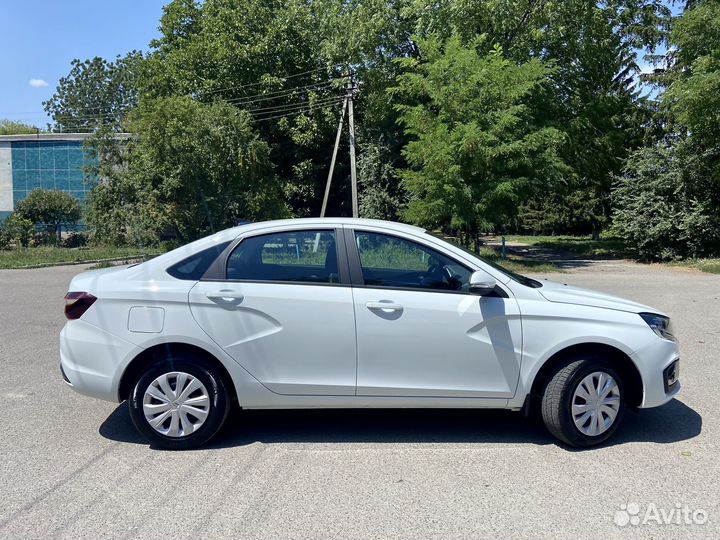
{"type": "Point", "coordinates": [6, 178]}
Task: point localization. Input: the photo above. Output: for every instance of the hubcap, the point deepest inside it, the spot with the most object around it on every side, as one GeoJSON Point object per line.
{"type": "Point", "coordinates": [176, 404]}
{"type": "Point", "coordinates": [595, 403]}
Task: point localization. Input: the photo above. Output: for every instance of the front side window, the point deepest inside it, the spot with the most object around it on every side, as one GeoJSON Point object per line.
{"type": "Point", "coordinates": [295, 256]}
{"type": "Point", "coordinates": [389, 261]}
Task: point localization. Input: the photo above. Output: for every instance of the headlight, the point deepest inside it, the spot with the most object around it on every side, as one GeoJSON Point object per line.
{"type": "Point", "coordinates": [660, 325]}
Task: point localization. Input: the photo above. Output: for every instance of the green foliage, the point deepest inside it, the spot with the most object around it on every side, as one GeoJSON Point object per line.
{"type": "Point", "coordinates": [693, 94]}
{"type": "Point", "coordinates": [54, 255]}
{"type": "Point", "coordinates": [226, 50]}
{"type": "Point", "coordinates": [95, 93]}
{"type": "Point", "coordinates": [668, 203]}
{"type": "Point", "coordinates": [191, 168]}
{"type": "Point", "coordinates": [668, 200]}
{"type": "Point", "coordinates": [378, 183]}
{"type": "Point", "coordinates": [16, 231]}
{"type": "Point", "coordinates": [607, 246]}
{"type": "Point", "coordinates": [12, 127]}
{"type": "Point", "coordinates": [51, 208]}
{"type": "Point", "coordinates": [478, 146]}
{"type": "Point", "coordinates": [505, 114]}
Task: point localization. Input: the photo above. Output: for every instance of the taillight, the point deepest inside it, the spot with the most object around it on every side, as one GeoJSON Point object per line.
{"type": "Point", "coordinates": [77, 303]}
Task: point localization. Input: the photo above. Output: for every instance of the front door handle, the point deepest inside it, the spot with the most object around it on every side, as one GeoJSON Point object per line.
{"type": "Point", "coordinates": [385, 306]}
{"type": "Point", "coordinates": [227, 296]}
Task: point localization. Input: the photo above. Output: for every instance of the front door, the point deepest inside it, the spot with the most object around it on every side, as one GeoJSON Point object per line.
{"type": "Point", "coordinates": [283, 313]}
{"type": "Point", "coordinates": [419, 331]}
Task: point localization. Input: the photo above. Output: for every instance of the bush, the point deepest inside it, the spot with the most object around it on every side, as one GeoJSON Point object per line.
{"type": "Point", "coordinates": [5, 239]}
{"type": "Point", "coordinates": [667, 204]}
{"type": "Point", "coordinates": [16, 231]}
{"type": "Point", "coordinates": [52, 208]}
{"type": "Point", "coordinates": [75, 240]}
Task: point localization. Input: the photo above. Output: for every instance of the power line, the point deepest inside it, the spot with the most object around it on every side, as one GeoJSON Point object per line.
{"type": "Point", "coordinates": [278, 93]}
{"type": "Point", "coordinates": [87, 114]}
{"type": "Point", "coordinates": [286, 111]}
{"type": "Point", "coordinates": [95, 112]}
{"type": "Point", "coordinates": [266, 110]}
{"type": "Point", "coordinates": [285, 78]}
{"type": "Point", "coordinates": [307, 109]}
{"type": "Point", "coordinates": [78, 120]}
{"type": "Point", "coordinates": [257, 113]}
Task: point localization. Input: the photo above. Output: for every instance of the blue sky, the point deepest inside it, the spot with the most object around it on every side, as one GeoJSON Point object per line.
{"type": "Point", "coordinates": [39, 39]}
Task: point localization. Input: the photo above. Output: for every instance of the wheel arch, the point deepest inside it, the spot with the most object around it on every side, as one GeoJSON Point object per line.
{"type": "Point", "coordinates": [163, 351]}
{"type": "Point", "coordinates": [624, 365]}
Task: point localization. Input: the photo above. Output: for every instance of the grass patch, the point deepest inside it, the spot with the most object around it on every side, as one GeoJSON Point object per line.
{"type": "Point", "coordinates": [518, 264]}
{"type": "Point", "coordinates": [610, 247]}
{"type": "Point", "coordinates": [42, 255]}
{"type": "Point", "coordinates": [711, 266]}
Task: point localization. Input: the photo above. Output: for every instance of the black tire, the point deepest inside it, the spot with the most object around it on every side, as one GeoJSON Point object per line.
{"type": "Point", "coordinates": [556, 406]}
{"type": "Point", "coordinates": [219, 403]}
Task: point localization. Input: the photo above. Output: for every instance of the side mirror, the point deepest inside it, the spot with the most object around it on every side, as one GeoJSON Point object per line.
{"type": "Point", "coordinates": [482, 283]}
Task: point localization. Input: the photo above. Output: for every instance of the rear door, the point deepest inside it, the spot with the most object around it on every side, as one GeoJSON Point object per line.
{"type": "Point", "coordinates": [284, 311]}
{"type": "Point", "coordinates": [420, 332]}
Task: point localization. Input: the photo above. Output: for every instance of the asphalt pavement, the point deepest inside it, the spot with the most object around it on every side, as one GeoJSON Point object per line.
{"type": "Point", "coordinates": [73, 467]}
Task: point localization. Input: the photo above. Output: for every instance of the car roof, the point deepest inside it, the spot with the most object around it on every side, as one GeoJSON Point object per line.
{"type": "Point", "coordinates": [326, 221]}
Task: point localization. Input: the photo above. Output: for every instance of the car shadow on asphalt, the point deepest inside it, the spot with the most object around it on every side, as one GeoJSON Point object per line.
{"type": "Point", "coordinates": [670, 423]}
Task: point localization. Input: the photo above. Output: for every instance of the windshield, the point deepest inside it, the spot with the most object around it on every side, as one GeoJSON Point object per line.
{"type": "Point", "coordinates": [524, 280]}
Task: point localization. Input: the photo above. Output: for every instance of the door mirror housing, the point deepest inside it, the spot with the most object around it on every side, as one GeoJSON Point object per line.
{"type": "Point", "coordinates": [482, 283]}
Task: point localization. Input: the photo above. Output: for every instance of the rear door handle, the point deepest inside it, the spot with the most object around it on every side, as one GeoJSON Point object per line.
{"type": "Point", "coordinates": [385, 306]}
{"type": "Point", "coordinates": [226, 295]}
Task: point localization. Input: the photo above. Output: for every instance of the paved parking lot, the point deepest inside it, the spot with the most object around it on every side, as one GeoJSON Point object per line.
{"type": "Point", "coordinates": [73, 467]}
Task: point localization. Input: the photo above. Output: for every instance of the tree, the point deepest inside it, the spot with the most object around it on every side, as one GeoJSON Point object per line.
{"type": "Point", "coordinates": [667, 203]}
{"type": "Point", "coordinates": [693, 82]}
{"type": "Point", "coordinates": [477, 146]}
{"type": "Point", "coordinates": [381, 196]}
{"type": "Point", "coordinates": [51, 208]}
{"type": "Point", "coordinates": [282, 63]}
{"type": "Point", "coordinates": [190, 169]}
{"type": "Point", "coordinates": [261, 56]}
{"type": "Point", "coordinates": [96, 93]}
{"type": "Point", "coordinates": [593, 97]}
{"type": "Point", "coordinates": [13, 127]}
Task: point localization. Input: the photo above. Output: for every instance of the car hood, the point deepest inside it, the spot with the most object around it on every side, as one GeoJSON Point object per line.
{"type": "Point", "coordinates": [566, 294]}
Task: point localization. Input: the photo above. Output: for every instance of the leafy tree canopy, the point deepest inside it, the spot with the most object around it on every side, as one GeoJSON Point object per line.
{"type": "Point", "coordinates": [51, 208]}
{"type": "Point", "coordinates": [12, 127]}
{"type": "Point", "coordinates": [477, 144]}
{"type": "Point", "coordinates": [190, 168]}
{"type": "Point", "coordinates": [95, 93]}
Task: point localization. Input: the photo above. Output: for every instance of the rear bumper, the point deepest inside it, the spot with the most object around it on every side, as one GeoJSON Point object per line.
{"type": "Point", "coordinates": [93, 360]}
{"type": "Point", "coordinates": [653, 362]}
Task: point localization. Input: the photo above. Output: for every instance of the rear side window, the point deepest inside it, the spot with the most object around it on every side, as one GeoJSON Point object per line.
{"type": "Point", "coordinates": [296, 256]}
{"type": "Point", "coordinates": [195, 266]}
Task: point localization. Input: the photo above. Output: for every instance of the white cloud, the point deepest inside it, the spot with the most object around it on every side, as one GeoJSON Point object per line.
{"type": "Point", "coordinates": [38, 83]}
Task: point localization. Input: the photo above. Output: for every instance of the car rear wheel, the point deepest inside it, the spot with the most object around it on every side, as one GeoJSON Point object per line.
{"type": "Point", "coordinates": [179, 403]}
{"type": "Point", "coordinates": [583, 402]}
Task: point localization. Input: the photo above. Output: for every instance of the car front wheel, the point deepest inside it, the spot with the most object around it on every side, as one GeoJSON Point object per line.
{"type": "Point", "coordinates": [583, 402]}
{"type": "Point", "coordinates": [179, 403]}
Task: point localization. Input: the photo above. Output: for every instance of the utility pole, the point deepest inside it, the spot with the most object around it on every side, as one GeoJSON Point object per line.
{"type": "Point", "coordinates": [351, 126]}
{"type": "Point", "coordinates": [332, 162]}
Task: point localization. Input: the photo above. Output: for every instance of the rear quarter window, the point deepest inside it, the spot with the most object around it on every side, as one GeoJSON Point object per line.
{"type": "Point", "coordinates": [194, 267]}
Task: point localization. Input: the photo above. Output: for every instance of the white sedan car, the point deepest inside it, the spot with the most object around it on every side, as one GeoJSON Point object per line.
{"type": "Point", "coordinates": [331, 313]}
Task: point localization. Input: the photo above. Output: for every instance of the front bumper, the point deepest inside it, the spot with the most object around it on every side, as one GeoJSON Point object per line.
{"type": "Point", "coordinates": [654, 362]}
{"type": "Point", "coordinates": [93, 360]}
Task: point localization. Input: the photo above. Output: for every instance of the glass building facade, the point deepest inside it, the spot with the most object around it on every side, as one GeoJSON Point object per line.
{"type": "Point", "coordinates": [41, 162]}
